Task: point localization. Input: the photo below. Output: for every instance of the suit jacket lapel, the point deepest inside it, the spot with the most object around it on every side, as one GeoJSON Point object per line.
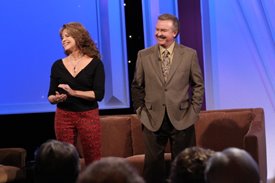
{"type": "Point", "coordinates": [175, 62]}
{"type": "Point", "coordinates": [156, 62]}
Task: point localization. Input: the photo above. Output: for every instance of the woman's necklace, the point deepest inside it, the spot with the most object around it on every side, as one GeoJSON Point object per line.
{"type": "Point", "coordinates": [75, 62]}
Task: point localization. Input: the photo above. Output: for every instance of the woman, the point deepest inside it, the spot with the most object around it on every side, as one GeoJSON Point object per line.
{"type": "Point", "coordinates": [76, 85]}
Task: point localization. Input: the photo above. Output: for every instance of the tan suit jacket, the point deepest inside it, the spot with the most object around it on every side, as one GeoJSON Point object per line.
{"type": "Point", "coordinates": [151, 94]}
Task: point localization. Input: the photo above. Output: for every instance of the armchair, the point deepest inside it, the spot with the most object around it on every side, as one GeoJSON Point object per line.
{"type": "Point", "coordinates": [12, 164]}
{"type": "Point", "coordinates": [241, 128]}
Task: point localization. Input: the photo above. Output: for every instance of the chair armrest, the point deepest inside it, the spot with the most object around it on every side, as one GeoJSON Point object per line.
{"type": "Point", "coordinates": [255, 144]}
{"type": "Point", "coordinates": [13, 157]}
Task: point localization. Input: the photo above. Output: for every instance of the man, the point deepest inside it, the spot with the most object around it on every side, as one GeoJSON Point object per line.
{"type": "Point", "coordinates": [162, 98]}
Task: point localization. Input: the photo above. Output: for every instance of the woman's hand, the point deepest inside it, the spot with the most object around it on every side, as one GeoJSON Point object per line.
{"type": "Point", "coordinates": [60, 97]}
{"type": "Point", "coordinates": [67, 88]}
{"type": "Point", "coordinates": [87, 95]}
{"type": "Point", "coordinates": [54, 99]}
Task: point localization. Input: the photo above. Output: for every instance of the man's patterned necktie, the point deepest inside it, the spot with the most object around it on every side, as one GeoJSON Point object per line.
{"type": "Point", "coordinates": [165, 65]}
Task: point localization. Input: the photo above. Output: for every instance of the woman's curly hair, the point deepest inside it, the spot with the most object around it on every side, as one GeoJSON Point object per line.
{"type": "Point", "coordinates": [83, 40]}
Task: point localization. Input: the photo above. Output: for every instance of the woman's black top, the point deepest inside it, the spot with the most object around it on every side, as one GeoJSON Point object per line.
{"type": "Point", "coordinates": [92, 77]}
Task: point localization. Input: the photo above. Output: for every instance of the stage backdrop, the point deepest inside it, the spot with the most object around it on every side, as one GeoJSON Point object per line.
{"type": "Point", "coordinates": [239, 59]}
{"type": "Point", "coordinates": [30, 43]}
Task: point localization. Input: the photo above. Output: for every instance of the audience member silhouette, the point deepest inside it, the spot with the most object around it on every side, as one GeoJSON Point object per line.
{"type": "Point", "coordinates": [110, 170]}
{"type": "Point", "coordinates": [56, 162]}
{"type": "Point", "coordinates": [232, 165]}
{"type": "Point", "coordinates": [189, 165]}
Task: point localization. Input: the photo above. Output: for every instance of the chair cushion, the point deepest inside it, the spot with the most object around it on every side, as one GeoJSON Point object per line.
{"type": "Point", "coordinates": [136, 135]}
{"type": "Point", "coordinates": [218, 130]}
{"type": "Point", "coordinates": [10, 173]}
{"type": "Point", "coordinates": [116, 136]}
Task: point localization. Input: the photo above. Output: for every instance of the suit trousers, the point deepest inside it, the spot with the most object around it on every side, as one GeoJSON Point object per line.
{"type": "Point", "coordinates": [155, 143]}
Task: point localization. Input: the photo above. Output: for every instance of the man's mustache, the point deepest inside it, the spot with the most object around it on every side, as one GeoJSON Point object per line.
{"type": "Point", "coordinates": [162, 37]}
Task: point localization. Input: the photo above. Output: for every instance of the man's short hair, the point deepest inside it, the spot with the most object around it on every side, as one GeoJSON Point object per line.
{"type": "Point", "coordinates": [173, 18]}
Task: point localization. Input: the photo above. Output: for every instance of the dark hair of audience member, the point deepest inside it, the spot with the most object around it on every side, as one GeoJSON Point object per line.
{"type": "Point", "coordinates": [189, 165]}
{"type": "Point", "coordinates": [232, 165]}
{"type": "Point", "coordinates": [110, 170]}
{"type": "Point", "coordinates": [56, 162]}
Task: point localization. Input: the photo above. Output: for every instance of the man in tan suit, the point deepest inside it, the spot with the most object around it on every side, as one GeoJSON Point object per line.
{"type": "Point", "coordinates": [166, 97]}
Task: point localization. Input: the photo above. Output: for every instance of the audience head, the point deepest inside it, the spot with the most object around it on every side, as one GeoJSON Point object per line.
{"type": "Point", "coordinates": [189, 165]}
{"type": "Point", "coordinates": [110, 170]}
{"type": "Point", "coordinates": [56, 162]}
{"type": "Point", "coordinates": [232, 165]}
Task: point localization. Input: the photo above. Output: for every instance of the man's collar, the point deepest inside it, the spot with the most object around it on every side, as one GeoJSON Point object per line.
{"type": "Point", "coordinates": [170, 48]}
